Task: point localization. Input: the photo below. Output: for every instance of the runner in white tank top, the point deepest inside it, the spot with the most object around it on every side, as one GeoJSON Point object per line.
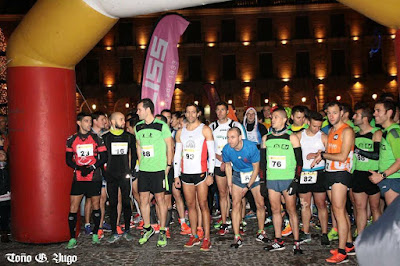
{"type": "Point", "coordinates": [194, 151]}
{"type": "Point", "coordinates": [312, 181]}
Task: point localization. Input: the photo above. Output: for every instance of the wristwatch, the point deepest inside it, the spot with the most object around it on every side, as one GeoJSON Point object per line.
{"type": "Point", "coordinates": [322, 154]}
{"type": "Point", "coordinates": [247, 185]}
{"type": "Point", "coordinates": [383, 174]}
{"type": "Point", "coordinates": [210, 174]}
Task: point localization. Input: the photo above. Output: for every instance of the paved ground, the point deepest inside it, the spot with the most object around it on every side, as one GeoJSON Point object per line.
{"type": "Point", "coordinates": [130, 253]}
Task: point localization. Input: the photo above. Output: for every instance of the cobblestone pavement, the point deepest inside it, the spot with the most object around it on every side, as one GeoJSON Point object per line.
{"type": "Point", "coordinates": [130, 253]}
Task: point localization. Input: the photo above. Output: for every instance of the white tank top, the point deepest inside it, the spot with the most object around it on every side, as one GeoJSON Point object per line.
{"type": "Point", "coordinates": [220, 134]}
{"type": "Point", "coordinates": [194, 155]}
{"type": "Point", "coordinates": [311, 145]}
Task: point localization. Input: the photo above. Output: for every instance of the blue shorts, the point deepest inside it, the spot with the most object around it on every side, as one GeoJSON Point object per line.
{"type": "Point", "coordinates": [236, 180]}
{"type": "Point", "coordinates": [279, 185]}
{"type": "Point", "coordinates": [389, 183]}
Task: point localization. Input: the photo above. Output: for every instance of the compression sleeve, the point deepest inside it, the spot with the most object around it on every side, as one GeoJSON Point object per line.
{"type": "Point", "coordinates": [177, 159]}
{"type": "Point", "coordinates": [263, 165]}
{"type": "Point", "coordinates": [299, 160]}
{"type": "Point", "coordinates": [69, 160]}
{"type": "Point", "coordinates": [373, 155]}
{"type": "Point", "coordinates": [211, 156]}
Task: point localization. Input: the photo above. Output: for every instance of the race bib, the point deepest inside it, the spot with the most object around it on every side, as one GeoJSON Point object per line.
{"type": "Point", "coordinates": [246, 176]}
{"type": "Point", "coordinates": [308, 177]}
{"type": "Point", "coordinates": [361, 158]}
{"type": "Point", "coordinates": [148, 151]}
{"type": "Point", "coordinates": [189, 154]}
{"type": "Point", "coordinates": [119, 148]}
{"type": "Point", "coordinates": [84, 150]}
{"type": "Point", "coordinates": [277, 162]}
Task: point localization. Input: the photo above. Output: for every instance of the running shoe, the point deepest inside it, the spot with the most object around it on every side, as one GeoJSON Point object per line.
{"type": "Point", "coordinates": [262, 237]}
{"type": "Point", "coordinates": [296, 249]}
{"type": "Point", "coordinates": [137, 218]}
{"type": "Point", "coordinates": [355, 234]}
{"type": "Point", "coordinates": [223, 230]}
{"type": "Point", "coordinates": [100, 233]}
{"type": "Point", "coordinates": [216, 214]}
{"type": "Point", "coordinates": [325, 240]}
{"type": "Point", "coordinates": [193, 241]}
{"type": "Point", "coordinates": [250, 215]}
{"type": "Point", "coordinates": [95, 239]}
{"type": "Point", "coordinates": [349, 251]}
{"type": "Point", "coordinates": [88, 229]}
{"type": "Point", "coordinates": [288, 229]}
{"type": "Point", "coordinates": [71, 244]}
{"type": "Point", "coordinates": [127, 235]}
{"type": "Point", "coordinates": [119, 230]}
{"type": "Point", "coordinates": [237, 243]}
{"type": "Point", "coordinates": [113, 238]}
{"type": "Point", "coordinates": [206, 245]}
{"type": "Point", "coordinates": [275, 246]}
{"type": "Point", "coordinates": [146, 235]}
{"type": "Point", "coordinates": [200, 233]}
{"type": "Point", "coordinates": [156, 228]}
{"type": "Point", "coordinates": [333, 234]}
{"type": "Point", "coordinates": [218, 224]}
{"type": "Point", "coordinates": [162, 239]}
{"type": "Point", "coordinates": [140, 225]}
{"type": "Point", "coordinates": [185, 229]}
{"type": "Point", "coordinates": [268, 222]}
{"type": "Point", "coordinates": [338, 259]}
{"type": "Point", "coordinates": [168, 233]}
{"type": "Point", "coordinates": [242, 230]}
{"type": "Point", "coordinates": [304, 237]}
{"type": "Point", "coordinates": [106, 227]}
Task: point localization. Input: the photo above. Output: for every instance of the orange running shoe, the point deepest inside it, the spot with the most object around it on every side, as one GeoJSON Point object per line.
{"type": "Point", "coordinates": [185, 229]}
{"type": "Point", "coordinates": [100, 233]}
{"type": "Point", "coordinates": [287, 231]}
{"type": "Point", "coordinates": [338, 259]}
{"type": "Point", "coordinates": [350, 251]}
{"type": "Point", "coordinates": [140, 225]}
{"type": "Point", "coordinates": [206, 245]}
{"type": "Point", "coordinates": [119, 230]}
{"type": "Point", "coordinates": [200, 232]}
{"type": "Point", "coordinates": [193, 241]}
{"type": "Point", "coordinates": [168, 233]}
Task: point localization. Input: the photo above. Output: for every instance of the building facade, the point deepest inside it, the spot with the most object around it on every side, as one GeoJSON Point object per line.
{"type": "Point", "coordinates": [282, 52]}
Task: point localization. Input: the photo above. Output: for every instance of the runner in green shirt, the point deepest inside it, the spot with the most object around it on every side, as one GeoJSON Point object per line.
{"type": "Point", "coordinates": [154, 149]}
{"type": "Point", "coordinates": [388, 175]}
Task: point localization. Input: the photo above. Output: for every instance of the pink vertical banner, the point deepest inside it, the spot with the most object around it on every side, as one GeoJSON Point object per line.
{"type": "Point", "coordinates": [162, 61]}
{"type": "Point", "coordinates": [213, 98]}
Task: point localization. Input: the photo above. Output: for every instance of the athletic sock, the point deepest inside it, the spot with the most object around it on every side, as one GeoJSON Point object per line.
{"type": "Point", "coordinates": [72, 217]}
{"type": "Point", "coordinates": [96, 214]}
{"type": "Point", "coordinates": [349, 245]}
{"type": "Point", "coordinates": [342, 251]}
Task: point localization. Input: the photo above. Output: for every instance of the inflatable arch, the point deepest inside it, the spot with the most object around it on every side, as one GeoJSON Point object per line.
{"type": "Point", "coordinates": [43, 51]}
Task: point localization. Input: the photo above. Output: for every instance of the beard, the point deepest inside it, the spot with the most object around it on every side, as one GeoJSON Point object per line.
{"type": "Point", "coordinates": [121, 126]}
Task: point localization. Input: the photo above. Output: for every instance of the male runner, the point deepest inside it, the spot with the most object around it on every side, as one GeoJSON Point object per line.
{"type": "Point", "coordinates": [121, 148]}
{"type": "Point", "coordinates": [154, 149]}
{"type": "Point", "coordinates": [388, 177]}
{"type": "Point", "coordinates": [367, 142]}
{"type": "Point", "coordinates": [220, 129]}
{"type": "Point", "coordinates": [281, 152]}
{"type": "Point", "coordinates": [313, 140]}
{"type": "Point", "coordinates": [339, 161]}
{"type": "Point", "coordinates": [244, 157]}
{"type": "Point", "coordinates": [193, 143]}
{"type": "Point", "coordinates": [299, 119]}
{"type": "Point", "coordinates": [85, 153]}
